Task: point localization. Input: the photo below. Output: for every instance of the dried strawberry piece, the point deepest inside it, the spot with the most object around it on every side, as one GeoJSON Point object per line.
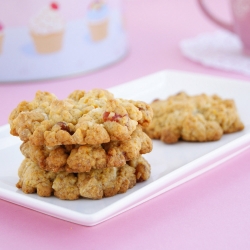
{"type": "Point", "coordinates": [64, 126]}
{"type": "Point", "coordinates": [114, 118]}
{"type": "Point", "coordinates": [105, 116]}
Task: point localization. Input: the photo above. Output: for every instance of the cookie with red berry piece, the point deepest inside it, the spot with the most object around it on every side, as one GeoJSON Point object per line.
{"type": "Point", "coordinates": [93, 117]}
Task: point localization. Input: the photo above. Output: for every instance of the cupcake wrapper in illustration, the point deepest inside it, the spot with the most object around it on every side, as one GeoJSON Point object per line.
{"type": "Point", "coordinates": [98, 31]}
{"type": "Point", "coordinates": [50, 43]}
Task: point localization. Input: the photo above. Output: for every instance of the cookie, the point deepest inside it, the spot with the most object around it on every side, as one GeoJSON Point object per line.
{"type": "Point", "coordinates": [91, 118]}
{"type": "Point", "coordinates": [83, 158]}
{"type": "Point", "coordinates": [198, 118]}
{"type": "Point", "coordinates": [95, 184]}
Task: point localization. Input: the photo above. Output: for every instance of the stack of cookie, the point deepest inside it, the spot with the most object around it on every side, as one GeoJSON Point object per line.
{"type": "Point", "coordinates": [88, 145]}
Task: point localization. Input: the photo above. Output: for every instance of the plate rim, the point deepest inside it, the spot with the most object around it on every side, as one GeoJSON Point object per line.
{"type": "Point", "coordinates": [153, 189]}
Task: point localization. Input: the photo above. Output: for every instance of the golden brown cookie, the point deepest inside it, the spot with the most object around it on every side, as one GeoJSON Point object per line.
{"type": "Point", "coordinates": [95, 184]}
{"type": "Point", "coordinates": [193, 118]}
{"type": "Point", "coordinates": [91, 118]}
{"type": "Point", "coordinates": [83, 158]}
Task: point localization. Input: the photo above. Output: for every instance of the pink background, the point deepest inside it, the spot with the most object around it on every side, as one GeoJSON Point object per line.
{"type": "Point", "coordinates": [209, 212]}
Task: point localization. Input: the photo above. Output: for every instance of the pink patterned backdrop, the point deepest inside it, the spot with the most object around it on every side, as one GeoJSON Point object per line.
{"type": "Point", "coordinates": [14, 13]}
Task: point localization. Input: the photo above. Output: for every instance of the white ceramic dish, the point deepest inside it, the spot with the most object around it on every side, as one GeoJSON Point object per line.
{"type": "Point", "coordinates": [171, 165]}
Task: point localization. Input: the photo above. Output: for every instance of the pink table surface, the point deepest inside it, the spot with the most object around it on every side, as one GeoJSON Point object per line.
{"type": "Point", "coordinates": [209, 212]}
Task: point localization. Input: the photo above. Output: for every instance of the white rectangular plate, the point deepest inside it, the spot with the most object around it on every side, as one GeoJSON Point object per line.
{"type": "Point", "coordinates": [171, 165]}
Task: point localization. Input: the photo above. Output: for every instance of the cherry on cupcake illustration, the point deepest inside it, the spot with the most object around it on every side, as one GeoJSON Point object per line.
{"type": "Point", "coordinates": [54, 6]}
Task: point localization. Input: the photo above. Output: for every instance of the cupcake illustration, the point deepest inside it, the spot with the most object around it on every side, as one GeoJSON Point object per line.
{"type": "Point", "coordinates": [97, 19]}
{"type": "Point", "coordinates": [1, 38]}
{"type": "Point", "coordinates": [47, 30]}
